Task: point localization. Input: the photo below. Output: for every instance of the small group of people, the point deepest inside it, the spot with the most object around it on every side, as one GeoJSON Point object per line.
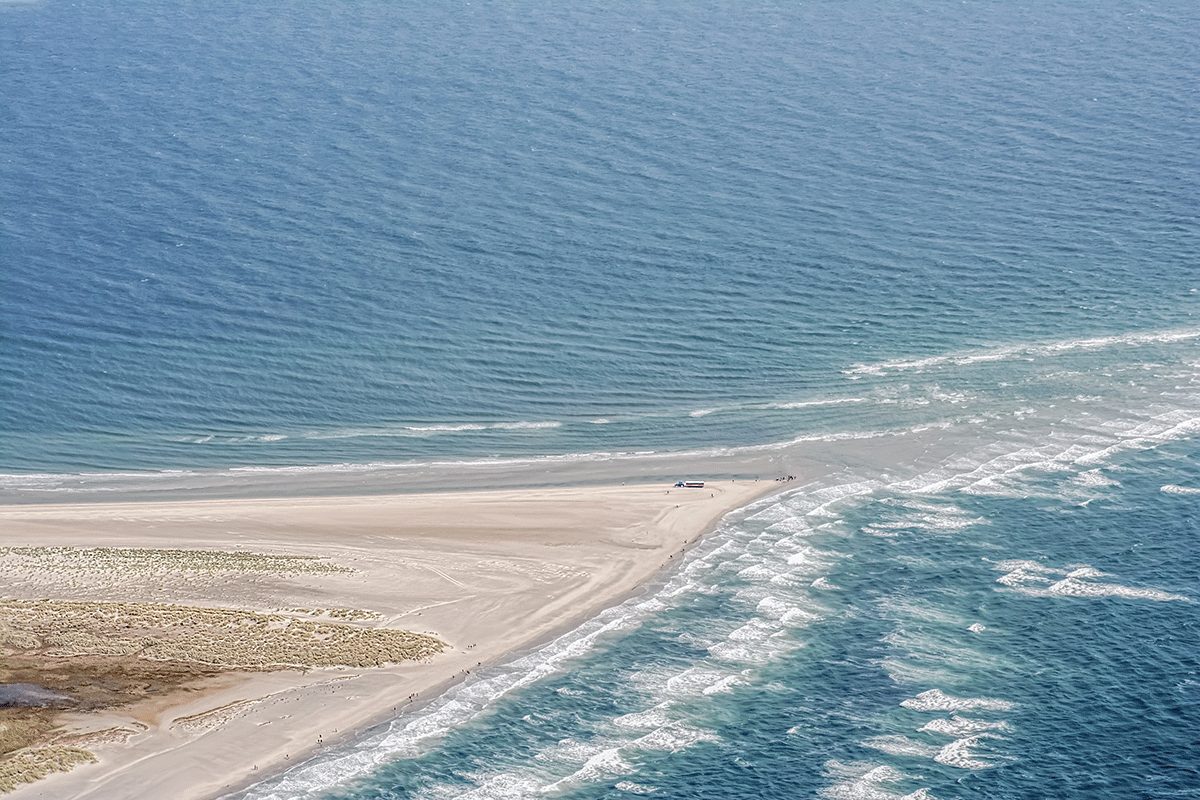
{"type": "Point", "coordinates": [786, 478]}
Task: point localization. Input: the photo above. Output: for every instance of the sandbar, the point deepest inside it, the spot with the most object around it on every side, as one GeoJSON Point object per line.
{"type": "Point", "coordinates": [485, 573]}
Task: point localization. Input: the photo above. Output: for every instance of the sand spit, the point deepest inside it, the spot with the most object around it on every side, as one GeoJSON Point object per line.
{"type": "Point", "coordinates": [206, 644]}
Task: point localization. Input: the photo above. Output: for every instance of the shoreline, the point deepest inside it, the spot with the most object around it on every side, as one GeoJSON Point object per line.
{"type": "Point", "coordinates": [492, 573]}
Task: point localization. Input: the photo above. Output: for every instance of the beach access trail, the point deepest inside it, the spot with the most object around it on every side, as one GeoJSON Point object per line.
{"type": "Point", "coordinates": [485, 573]}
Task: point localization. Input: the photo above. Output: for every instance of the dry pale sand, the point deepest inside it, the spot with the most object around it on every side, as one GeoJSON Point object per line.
{"type": "Point", "coordinates": [487, 572]}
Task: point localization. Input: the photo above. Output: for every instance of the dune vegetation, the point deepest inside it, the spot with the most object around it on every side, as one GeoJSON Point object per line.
{"type": "Point", "coordinates": [103, 655]}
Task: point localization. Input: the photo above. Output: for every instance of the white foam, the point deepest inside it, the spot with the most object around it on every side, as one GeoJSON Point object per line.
{"type": "Point", "coordinates": [740, 653]}
{"type": "Point", "coordinates": [1021, 577]}
{"type": "Point", "coordinates": [725, 685]}
{"type": "Point", "coordinates": [959, 754]}
{"type": "Point", "coordinates": [901, 746]}
{"type": "Point", "coordinates": [773, 607]}
{"type": "Point", "coordinates": [1073, 587]}
{"type": "Point", "coordinates": [1171, 488]}
{"type": "Point", "coordinates": [812, 403]}
{"type": "Point", "coordinates": [499, 786]}
{"type": "Point", "coordinates": [522, 426]}
{"type": "Point", "coordinates": [959, 727]}
{"type": "Point", "coordinates": [929, 518]}
{"type": "Point", "coordinates": [936, 700]}
{"type": "Point", "coordinates": [760, 572]}
{"type": "Point", "coordinates": [1011, 565]}
{"type": "Point", "coordinates": [1172, 425]}
{"type": "Point", "coordinates": [1094, 478]}
{"type": "Point", "coordinates": [795, 526]}
{"type": "Point", "coordinates": [674, 738]}
{"type": "Point", "coordinates": [635, 788]}
{"type": "Point", "coordinates": [694, 681]}
{"type": "Point", "coordinates": [1003, 469]}
{"type": "Point", "coordinates": [1024, 351]}
{"type": "Point", "coordinates": [823, 502]}
{"type": "Point", "coordinates": [866, 782]}
{"type": "Point", "coordinates": [603, 765]}
{"type": "Point", "coordinates": [427, 429]}
{"type": "Point", "coordinates": [754, 631]}
{"type": "Point", "coordinates": [649, 719]}
{"type": "Point", "coordinates": [776, 512]}
{"type": "Point", "coordinates": [808, 557]}
{"type": "Point", "coordinates": [976, 627]}
{"type": "Point", "coordinates": [1039, 581]}
{"type": "Point", "coordinates": [408, 736]}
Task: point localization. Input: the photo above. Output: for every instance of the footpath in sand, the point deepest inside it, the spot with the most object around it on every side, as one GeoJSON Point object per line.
{"type": "Point", "coordinates": [183, 649]}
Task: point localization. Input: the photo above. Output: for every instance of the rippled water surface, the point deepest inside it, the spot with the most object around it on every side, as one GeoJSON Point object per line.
{"type": "Point", "coordinates": [939, 261]}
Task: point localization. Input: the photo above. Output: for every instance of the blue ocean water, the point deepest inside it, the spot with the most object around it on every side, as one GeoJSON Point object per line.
{"type": "Point", "coordinates": [939, 261]}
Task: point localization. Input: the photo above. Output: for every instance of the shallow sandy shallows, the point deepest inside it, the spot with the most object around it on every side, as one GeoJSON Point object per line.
{"type": "Point", "coordinates": [487, 573]}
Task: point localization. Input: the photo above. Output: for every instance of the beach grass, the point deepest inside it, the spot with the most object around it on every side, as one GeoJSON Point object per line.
{"type": "Point", "coordinates": [104, 655]}
{"type": "Point", "coordinates": [221, 637]}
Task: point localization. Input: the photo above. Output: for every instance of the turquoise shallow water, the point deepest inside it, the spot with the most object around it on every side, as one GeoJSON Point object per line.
{"type": "Point", "coordinates": [1027, 633]}
{"type": "Point", "coordinates": [937, 261]}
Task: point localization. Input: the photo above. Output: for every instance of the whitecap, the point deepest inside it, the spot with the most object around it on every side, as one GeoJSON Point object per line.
{"type": "Point", "coordinates": [958, 754]}
{"type": "Point", "coordinates": [959, 727]}
{"type": "Point", "coordinates": [603, 765]}
{"type": "Point", "coordinates": [730, 652]}
{"type": "Point", "coordinates": [811, 403]}
{"type": "Point", "coordinates": [901, 746]}
{"type": "Point", "coordinates": [774, 513]}
{"type": "Point", "coordinates": [936, 700]}
{"type": "Point", "coordinates": [1020, 577]}
{"type": "Point", "coordinates": [1024, 351]}
{"type": "Point", "coordinates": [1093, 478]}
{"type": "Point", "coordinates": [761, 572]}
{"type": "Point", "coordinates": [756, 630]}
{"type": "Point", "coordinates": [866, 782]}
{"type": "Point", "coordinates": [1072, 587]}
{"type": "Point", "coordinates": [797, 617]}
{"type": "Point", "coordinates": [1028, 566]}
{"type": "Point", "coordinates": [635, 788]}
{"type": "Point", "coordinates": [773, 607]}
{"type": "Point", "coordinates": [725, 685]}
{"type": "Point", "coordinates": [674, 738]}
{"type": "Point", "coordinates": [500, 786]}
{"type": "Point", "coordinates": [651, 718]}
{"type": "Point", "coordinates": [520, 426]}
{"type": "Point", "coordinates": [694, 681]}
{"type": "Point", "coordinates": [805, 558]}
{"type": "Point", "coordinates": [794, 526]}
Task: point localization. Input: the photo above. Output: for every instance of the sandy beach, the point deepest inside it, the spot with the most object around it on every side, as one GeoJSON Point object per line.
{"type": "Point", "coordinates": [484, 573]}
